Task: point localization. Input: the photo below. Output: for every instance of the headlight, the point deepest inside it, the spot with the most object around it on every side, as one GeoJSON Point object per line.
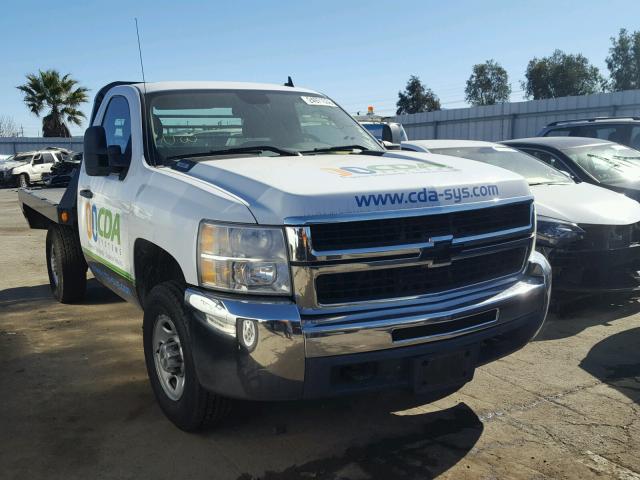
{"type": "Point", "coordinates": [552, 232]}
{"type": "Point", "coordinates": [243, 259]}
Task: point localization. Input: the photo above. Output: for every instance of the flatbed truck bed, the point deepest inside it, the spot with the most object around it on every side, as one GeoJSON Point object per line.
{"type": "Point", "coordinates": [43, 206]}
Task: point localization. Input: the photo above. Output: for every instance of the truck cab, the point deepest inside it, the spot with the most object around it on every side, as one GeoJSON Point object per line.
{"type": "Point", "coordinates": [279, 252]}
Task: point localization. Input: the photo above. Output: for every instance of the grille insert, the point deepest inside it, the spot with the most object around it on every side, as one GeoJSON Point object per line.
{"type": "Point", "coordinates": [408, 230]}
{"type": "Point", "coordinates": [604, 237]}
{"type": "Point", "coordinates": [360, 286]}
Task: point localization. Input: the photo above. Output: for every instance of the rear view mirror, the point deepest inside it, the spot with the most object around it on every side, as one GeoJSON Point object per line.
{"type": "Point", "coordinates": [96, 160]}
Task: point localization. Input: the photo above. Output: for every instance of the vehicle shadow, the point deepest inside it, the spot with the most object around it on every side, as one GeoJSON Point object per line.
{"type": "Point", "coordinates": [616, 362]}
{"type": "Point", "coordinates": [586, 313]}
{"type": "Point", "coordinates": [36, 295]}
{"type": "Point", "coordinates": [421, 446]}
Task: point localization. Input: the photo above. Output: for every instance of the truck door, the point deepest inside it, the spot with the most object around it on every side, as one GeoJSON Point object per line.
{"type": "Point", "coordinates": [37, 163]}
{"type": "Point", "coordinates": [104, 205]}
{"type": "Point", "coordinates": [47, 162]}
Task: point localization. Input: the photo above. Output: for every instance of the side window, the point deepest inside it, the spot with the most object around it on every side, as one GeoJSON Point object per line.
{"type": "Point", "coordinates": [47, 158]}
{"type": "Point", "coordinates": [548, 158]}
{"type": "Point", "coordinates": [37, 160]}
{"type": "Point", "coordinates": [117, 125]}
{"type": "Point", "coordinates": [613, 133]}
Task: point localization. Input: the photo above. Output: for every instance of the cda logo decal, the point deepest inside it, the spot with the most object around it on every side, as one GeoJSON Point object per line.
{"type": "Point", "coordinates": [389, 169]}
{"type": "Point", "coordinates": [102, 223]}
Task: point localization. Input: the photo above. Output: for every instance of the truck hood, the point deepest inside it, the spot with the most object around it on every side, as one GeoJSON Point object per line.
{"type": "Point", "coordinates": [281, 190]}
{"type": "Point", "coordinates": [585, 203]}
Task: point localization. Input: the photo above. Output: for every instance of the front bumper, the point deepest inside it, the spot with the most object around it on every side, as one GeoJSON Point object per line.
{"type": "Point", "coordinates": [290, 356]}
{"type": "Point", "coordinates": [595, 271]}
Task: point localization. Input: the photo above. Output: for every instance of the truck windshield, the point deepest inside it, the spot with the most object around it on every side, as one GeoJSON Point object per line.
{"type": "Point", "coordinates": [532, 169]}
{"type": "Point", "coordinates": [186, 123]}
{"type": "Point", "coordinates": [607, 162]}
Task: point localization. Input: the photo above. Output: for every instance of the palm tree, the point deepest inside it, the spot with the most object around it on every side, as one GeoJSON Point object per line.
{"type": "Point", "coordinates": [60, 95]}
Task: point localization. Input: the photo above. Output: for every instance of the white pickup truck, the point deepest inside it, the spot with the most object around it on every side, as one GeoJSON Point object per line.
{"type": "Point", "coordinates": [280, 252]}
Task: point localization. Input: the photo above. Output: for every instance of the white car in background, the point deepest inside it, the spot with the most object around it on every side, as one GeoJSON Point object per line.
{"type": "Point", "coordinates": [589, 234]}
{"type": "Point", "coordinates": [32, 165]}
{"type": "Point", "coordinates": [7, 165]}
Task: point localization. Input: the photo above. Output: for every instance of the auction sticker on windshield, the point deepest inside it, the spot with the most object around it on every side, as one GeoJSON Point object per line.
{"type": "Point", "coordinates": [318, 101]}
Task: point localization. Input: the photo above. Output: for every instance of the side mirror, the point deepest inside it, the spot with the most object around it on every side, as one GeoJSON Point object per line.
{"type": "Point", "coordinates": [95, 157]}
{"type": "Point", "coordinates": [392, 132]}
{"type": "Point", "coordinates": [390, 145]}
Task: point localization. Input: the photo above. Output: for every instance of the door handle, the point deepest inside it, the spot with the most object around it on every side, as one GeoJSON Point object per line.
{"type": "Point", "coordinates": [86, 193]}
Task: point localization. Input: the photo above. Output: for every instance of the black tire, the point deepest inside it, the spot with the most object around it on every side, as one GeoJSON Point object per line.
{"type": "Point", "coordinates": [67, 267]}
{"type": "Point", "coordinates": [196, 409]}
{"type": "Point", "coordinates": [23, 180]}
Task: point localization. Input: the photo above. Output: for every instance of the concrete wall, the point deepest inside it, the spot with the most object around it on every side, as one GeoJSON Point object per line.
{"type": "Point", "coordinates": [516, 120]}
{"type": "Point", "coordinates": [11, 145]}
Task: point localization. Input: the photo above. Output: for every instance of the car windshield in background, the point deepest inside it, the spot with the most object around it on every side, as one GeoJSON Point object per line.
{"type": "Point", "coordinates": [607, 162]}
{"type": "Point", "coordinates": [533, 170]}
{"type": "Point", "coordinates": [374, 129]}
{"type": "Point", "coordinates": [195, 123]}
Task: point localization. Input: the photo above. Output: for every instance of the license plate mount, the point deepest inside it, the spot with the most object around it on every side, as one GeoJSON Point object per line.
{"type": "Point", "coordinates": [444, 370]}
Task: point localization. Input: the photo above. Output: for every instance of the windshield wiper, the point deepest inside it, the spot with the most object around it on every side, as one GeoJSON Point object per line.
{"type": "Point", "coordinates": [230, 151]}
{"type": "Point", "coordinates": [550, 183]}
{"type": "Point", "coordinates": [342, 148]}
{"type": "Point", "coordinates": [611, 162]}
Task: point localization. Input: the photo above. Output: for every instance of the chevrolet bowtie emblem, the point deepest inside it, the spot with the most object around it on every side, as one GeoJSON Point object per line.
{"type": "Point", "coordinates": [438, 251]}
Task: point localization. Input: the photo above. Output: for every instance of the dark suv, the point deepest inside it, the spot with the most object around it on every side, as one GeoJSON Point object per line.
{"type": "Point", "coordinates": [624, 130]}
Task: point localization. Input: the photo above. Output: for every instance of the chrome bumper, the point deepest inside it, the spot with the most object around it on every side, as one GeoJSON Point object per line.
{"type": "Point", "coordinates": [266, 350]}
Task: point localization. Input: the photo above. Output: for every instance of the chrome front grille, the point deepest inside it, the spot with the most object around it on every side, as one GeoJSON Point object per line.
{"type": "Point", "coordinates": [337, 263]}
{"type": "Point", "coordinates": [409, 230]}
{"type": "Point", "coordinates": [381, 283]}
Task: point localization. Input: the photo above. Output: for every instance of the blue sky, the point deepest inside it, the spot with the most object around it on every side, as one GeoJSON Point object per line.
{"type": "Point", "coordinates": [359, 53]}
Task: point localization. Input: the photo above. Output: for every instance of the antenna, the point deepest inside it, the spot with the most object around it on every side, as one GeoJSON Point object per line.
{"type": "Point", "coordinates": [289, 82]}
{"type": "Point", "coordinates": [144, 82]}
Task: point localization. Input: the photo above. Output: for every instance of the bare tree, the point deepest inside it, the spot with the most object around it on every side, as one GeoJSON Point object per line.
{"type": "Point", "coordinates": [8, 127]}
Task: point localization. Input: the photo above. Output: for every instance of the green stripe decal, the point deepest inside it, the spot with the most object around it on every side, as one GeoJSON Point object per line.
{"type": "Point", "coordinates": [109, 265]}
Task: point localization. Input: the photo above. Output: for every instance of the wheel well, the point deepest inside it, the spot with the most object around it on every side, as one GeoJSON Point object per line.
{"type": "Point", "coordinates": [152, 266]}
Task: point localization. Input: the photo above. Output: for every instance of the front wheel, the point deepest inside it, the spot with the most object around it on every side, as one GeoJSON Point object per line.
{"type": "Point", "coordinates": [23, 180]}
{"type": "Point", "coordinates": [170, 365]}
{"type": "Point", "coordinates": [66, 265]}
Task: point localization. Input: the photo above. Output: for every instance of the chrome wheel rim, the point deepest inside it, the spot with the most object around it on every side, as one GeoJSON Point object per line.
{"type": "Point", "coordinates": [168, 357]}
{"type": "Point", "coordinates": [52, 263]}
{"type": "Point", "coordinates": [23, 181]}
